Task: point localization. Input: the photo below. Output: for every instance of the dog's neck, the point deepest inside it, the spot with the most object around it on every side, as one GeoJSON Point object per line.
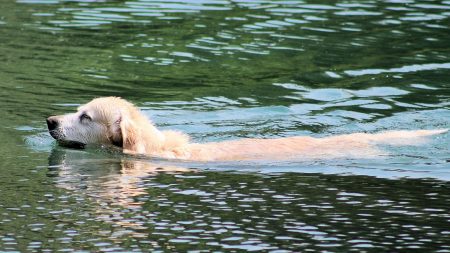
{"type": "Point", "coordinates": [140, 136]}
{"type": "Point", "coordinates": [152, 140]}
{"type": "Point", "coordinates": [157, 141]}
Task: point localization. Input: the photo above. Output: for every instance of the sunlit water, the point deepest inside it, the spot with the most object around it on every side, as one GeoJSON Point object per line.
{"type": "Point", "coordinates": [222, 70]}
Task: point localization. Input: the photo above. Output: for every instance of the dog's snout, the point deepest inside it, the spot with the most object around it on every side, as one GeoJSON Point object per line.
{"type": "Point", "coordinates": [52, 123]}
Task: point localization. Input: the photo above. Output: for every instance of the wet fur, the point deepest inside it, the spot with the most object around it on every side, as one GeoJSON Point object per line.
{"type": "Point", "coordinates": [112, 120]}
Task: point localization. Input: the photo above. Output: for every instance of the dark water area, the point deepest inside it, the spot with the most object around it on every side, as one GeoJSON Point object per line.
{"type": "Point", "coordinates": [221, 70]}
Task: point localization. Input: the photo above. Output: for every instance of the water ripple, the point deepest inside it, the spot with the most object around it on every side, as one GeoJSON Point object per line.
{"type": "Point", "coordinates": [404, 69]}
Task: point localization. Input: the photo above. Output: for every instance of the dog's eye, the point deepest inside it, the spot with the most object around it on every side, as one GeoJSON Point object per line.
{"type": "Point", "coordinates": [84, 116]}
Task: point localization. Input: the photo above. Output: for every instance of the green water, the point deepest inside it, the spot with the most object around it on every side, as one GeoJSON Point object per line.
{"type": "Point", "coordinates": [221, 70]}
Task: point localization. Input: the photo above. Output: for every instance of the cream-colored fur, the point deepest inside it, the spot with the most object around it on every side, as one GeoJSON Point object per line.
{"type": "Point", "coordinates": [112, 120]}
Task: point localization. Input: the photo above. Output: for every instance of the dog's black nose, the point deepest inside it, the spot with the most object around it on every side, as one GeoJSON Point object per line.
{"type": "Point", "coordinates": [52, 123]}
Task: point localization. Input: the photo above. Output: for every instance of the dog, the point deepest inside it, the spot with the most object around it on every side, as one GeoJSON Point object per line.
{"type": "Point", "coordinates": [115, 121]}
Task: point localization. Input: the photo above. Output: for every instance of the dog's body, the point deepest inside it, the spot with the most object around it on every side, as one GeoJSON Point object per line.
{"type": "Point", "coordinates": [112, 120]}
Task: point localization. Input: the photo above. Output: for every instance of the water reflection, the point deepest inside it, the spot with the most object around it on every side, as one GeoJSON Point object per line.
{"type": "Point", "coordinates": [115, 180]}
{"type": "Point", "coordinates": [181, 209]}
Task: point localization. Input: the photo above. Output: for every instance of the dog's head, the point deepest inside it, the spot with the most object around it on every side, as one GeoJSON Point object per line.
{"type": "Point", "coordinates": [107, 120]}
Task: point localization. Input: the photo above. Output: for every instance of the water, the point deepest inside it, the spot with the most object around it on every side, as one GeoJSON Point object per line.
{"type": "Point", "coordinates": [221, 70]}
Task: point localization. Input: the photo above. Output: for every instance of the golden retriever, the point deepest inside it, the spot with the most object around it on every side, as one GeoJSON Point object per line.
{"type": "Point", "coordinates": [113, 120]}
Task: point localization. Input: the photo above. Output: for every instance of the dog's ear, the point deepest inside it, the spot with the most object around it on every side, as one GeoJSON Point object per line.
{"type": "Point", "coordinates": [115, 133]}
{"type": "Point", "coordinates": [131, 135]}
{"type": "Point", "coordinates": [135, 133]}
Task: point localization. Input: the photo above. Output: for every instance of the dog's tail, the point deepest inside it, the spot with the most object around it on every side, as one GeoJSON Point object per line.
{"type": "Point", "coordinates": [403, 137]}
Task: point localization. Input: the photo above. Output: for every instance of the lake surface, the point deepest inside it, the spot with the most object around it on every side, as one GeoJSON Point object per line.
{"type": "Point", "coordinates": [221, 70]}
